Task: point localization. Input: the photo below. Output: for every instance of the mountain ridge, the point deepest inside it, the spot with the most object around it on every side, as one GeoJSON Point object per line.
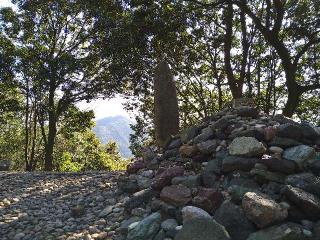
{"type": "Point", "coordinates": [117, 129]}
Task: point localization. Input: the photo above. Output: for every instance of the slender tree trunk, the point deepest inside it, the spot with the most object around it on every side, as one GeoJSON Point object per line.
{"type": "Point", "coordinates": [52, 131]}
{"type": "Point", "coordinates": [48, 161]}
{"type": "Point", "coordinates": [26, 129]}
{"type": "Point", "coordinates": [34, 138]}
{"type": "Point", "coordinates": [236, 89]}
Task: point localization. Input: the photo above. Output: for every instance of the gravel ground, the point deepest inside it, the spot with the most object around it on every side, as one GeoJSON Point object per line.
{"type": "Point", "coordinates": [60, 206]}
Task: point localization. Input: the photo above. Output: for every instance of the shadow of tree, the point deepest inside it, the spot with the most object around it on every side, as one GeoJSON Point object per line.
{"type": "Point", "coordinates": [39, 206]}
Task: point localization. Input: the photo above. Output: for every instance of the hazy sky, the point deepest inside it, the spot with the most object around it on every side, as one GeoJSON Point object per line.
{"type": "Point", "coordinates": [102, 108]}
{"type": "Point", "coordinates": [5, 3]}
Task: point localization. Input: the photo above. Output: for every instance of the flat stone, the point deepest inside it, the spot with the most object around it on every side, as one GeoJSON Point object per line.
{"type": "Point", "coordinates": [189, 133]}
{"type": "Point", "coordinates": [232, 163]}
{"type": "Point", "coordinates": [106, 211]}
{"type": "Point", "coordinates": [204, 229]}
{"type": "Point", "coordinates": [146, 229]}
{"type": "Point", "coordinates": [246, 146]}
{"type": "Point", "coordinates": [188, 181]}
{"type": "Point", "coordinates": [207, 147]}
{"type": "Point", "coordinates": [286, 231]}
{"type": "Point", "coordinates": [135, 167]}
{"type": "Point", "coordinates": [176, 195]}
{"type": "Point", "coordinates": [284, 142]}
{"type": "Point", "coordinates": [289, 130]}
{"type": "Point", "coordinates": [188, 150]}
{"type": "Point", "coordinates": [262, 210]}
{"type": "Point", "coordinates": [306, 181]}
{"type": "Point", "coordinates": [279, 165]}
{"type": "Point", "coordinates": [263, 176]}
{"type": "Point", "coordinates": [164, 178]}
{"type": "Point", "coordinates": [308, 203]}
{"type": "Point", "coordinates": [299, 154]}
{"type": "Point", "coordinates": [139, 198]}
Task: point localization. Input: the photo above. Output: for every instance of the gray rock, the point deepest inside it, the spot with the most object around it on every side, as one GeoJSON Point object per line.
{"type": "Point", "coordinates": [206, 134]}
{"type": "Point", "coordinates": [207, 147]}
{"type": "Point", "coordinates": [263, 176]}
{"type": "Point", "coordinates": [204, 229]}
{"type": "Point", "coordinates": [289, 130]}
{"type": "Point", "coordinates": [245, 111]}
{"type": "Point", "coordinates": [299, 154]}
{"type": "Point", "coordinates": [189, 134]}
{"type": "Point", "coordinates": [246, 146]}
{"type": "Point", "coordinates": [305, 181]}
{"type": "Point", "coordinates": [284, 142]}
{"type": "Point", "coordinates": [5, 165]}
{"type": "Point", "coordinates": [169, 225]}
{"type": "Point", "coordinates": [262, 210]}
{"type": "Point", "coordinates": [286, 231]}
{"type": "Point", "coordinates": [126, 223]}
{"type": "Point", "coordinates": [139, 198]}
{"type": "Point", "coordinates": [161, 235]}
{"type": "Point", "coordinates": [232, 163]}
{"type": "Point", "coordinates": [188, 181]}
{"type": "Point", "coordinates": [279, 165]}
{"type": "Point", "coordinates": [146, 229]}
{"type": "Point", "coordinates": [106, 211]}
{"type": "Point", "coordinates": [175, 143]}
{"type": "Point", "coordinates": [232, 217]}
{"type": "Point", "coordinates": [308, 203]}
{"type": "Point", "coordinates": [190, 212]}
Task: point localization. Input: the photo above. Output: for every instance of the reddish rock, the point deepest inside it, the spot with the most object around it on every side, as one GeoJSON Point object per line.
{"type": "Point", "coordinates": [135, 167]}
{"type": "Point", "coordinates": [176, 195]}
{"type": "Point", "coordinates": [164, 178]}
{"type": "Point", "coordinates": [269, 133]}
{"type": "Point", "coordinates": [188, 151]}
{"type": "Point", "coordinates": [208, 199]}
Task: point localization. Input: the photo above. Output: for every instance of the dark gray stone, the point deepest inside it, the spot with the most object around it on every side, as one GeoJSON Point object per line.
{"type": "Point", "coordinates": [233, 218]}
{"type": "Point", "coordinates": [204, 229]}
{"type": "Point", "coordinates": [232, 163]}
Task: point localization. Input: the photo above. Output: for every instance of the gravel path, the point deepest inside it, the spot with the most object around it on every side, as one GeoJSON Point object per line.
{"type": "Point", "coordinates": [69, 206]}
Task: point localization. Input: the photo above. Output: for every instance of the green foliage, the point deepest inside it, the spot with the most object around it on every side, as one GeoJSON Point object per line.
{"type": "Point", "coordinates": [84, 152]}
{"type": "Point", "coordinates": [67, 165]}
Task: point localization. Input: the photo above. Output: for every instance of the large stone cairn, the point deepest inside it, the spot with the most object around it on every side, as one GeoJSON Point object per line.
{"type": "Point", "coordinates": [239, 175]}
{"type": "Point", "coordinates": [165, 104]}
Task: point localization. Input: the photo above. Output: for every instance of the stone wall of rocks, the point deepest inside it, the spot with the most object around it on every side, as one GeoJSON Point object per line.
{"type": "Point", "coordinates": [239, 175]}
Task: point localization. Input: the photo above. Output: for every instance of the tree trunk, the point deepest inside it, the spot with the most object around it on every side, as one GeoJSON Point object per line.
{"type": "Point", "coordinates": [235, 86]}
{"type": "Point", "coordinates": [52, 131]}
{"type": "Point", "coordinates": [48, 161]}
{"type": "Point", "coordinates": [26, 129]}
{"type": "Point", "coordinates": [294, 90]}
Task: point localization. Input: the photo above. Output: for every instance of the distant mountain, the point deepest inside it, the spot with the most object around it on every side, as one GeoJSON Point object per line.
{"type": "Point", "coordinates": [116, 129]}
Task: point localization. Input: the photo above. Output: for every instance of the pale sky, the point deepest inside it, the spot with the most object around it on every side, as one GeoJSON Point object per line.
{"type": "Point", "coordinates": [105, 108]}
{"type": "Point", "coordinates": [101, 108]}
{"type": "Point", "coordinates": [5, 3]}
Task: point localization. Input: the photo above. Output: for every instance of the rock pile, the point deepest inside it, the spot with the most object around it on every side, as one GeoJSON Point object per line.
{"type": "Point", "coordinates": [238, 175]}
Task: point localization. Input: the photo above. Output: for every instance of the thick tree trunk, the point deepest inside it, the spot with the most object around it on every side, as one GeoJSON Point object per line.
{"type": "Point", "coordinates": [294, 89]}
